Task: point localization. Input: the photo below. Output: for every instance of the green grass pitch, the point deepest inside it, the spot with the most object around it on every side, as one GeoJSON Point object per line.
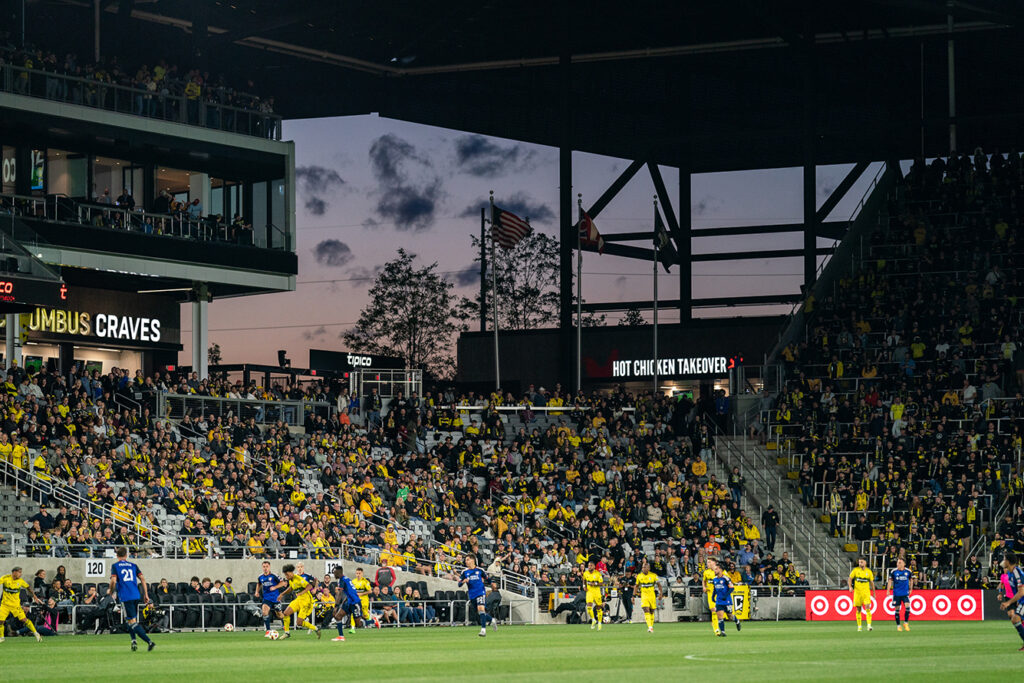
{"type": "Point", "coordinates": [977, 651]}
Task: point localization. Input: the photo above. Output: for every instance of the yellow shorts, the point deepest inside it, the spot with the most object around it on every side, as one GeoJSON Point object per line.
{"type": "Point", "coordinates": [711, 602]}
{"type": "Point", "coordinates": [11, 610]}
{"type": "Point", "coordinates": [861, 599]}
{"type": "Point", "coordinates": [302, 605]}
{"type": "Point", "coordinates": [649, 602]}
{"type": "Point", "coordinates": [366, 607]}
{"type": "Point", "coordinates": [594, 596]}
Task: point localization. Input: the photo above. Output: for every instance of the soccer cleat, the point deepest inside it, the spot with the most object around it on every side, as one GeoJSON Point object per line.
{"type": "Point", "coordinates": [483, 633]}
{"type": "Point", "coordinates": [351, 630]}
{"type": "Point", "coordinates": [151, 646]}
{"type": "Point", "coordinates": [1, 639]}
{"type": "Point", "coordinates": [593, 624]}
{"type": "Point", "coordinates": [135, 646]}
{"type": "Point", "coordinates": [338, 639]}
{"type": "Point", "coordinates": [737, 624]}
{"type": "Point", "coordinates": [286, 634]}
{"type": "Point", "coordinates": [722, 633]}
{"type": "Point", "coordinates": [906, 627]}
{"type": "Point", "coordinates": [494, 624]}
{"type": "Point", "coordinates": [376, 621]}
{"type": "Point", "coordinates": [869, 627]}
{"type": "Point", "coordinates": [599, 624]}
{"type": "Point", "coordinates": [318, 634]}
{"type": "Point", "coordinates": [650, 629]}
{"type": "Point", "coordinates": [859, 629]}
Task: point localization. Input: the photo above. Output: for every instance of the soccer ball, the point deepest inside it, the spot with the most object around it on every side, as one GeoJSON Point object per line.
{"type": "Point", "coordinates": [274, 635]}
{"type": "Point", "coordinates": [229, 627]}
{"type": "Point", "coordinates": [607, 620]}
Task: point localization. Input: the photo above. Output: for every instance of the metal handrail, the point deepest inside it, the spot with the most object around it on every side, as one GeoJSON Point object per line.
{"type": "Point", "coordinates": [140, 102]}
{"type": "Point", "coordinates": [44, 489]}
{"type": "Point", "coordinates": [176, 406]}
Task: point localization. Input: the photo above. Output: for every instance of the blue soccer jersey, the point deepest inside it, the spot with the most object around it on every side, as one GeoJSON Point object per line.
{"type": "Point", "coordinates": [348, 590]}
{"type": "Point", "coordinates": [722, 590]}
{"type": "Point", "coordinates": [900, 582]}
{"type": "Point", "coordinates": [267, 582]}
{"type": "Point", "coordinates": [127, 575]}
{"type": "Point", "coordinates": [1016, 579]}
{"type": "Point", "coordinates": [474, 579]}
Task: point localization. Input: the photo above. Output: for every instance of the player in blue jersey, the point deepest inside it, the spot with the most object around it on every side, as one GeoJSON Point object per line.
{"type": "Point", "coordinates": [348, 604]}
{"type": "Point", "coordinates": [268, 592]}
{"type": "Point", "coordinates": [1014, 605]}
{"type": "Point", "coordinates": [474, 578]}
{"type": "Point", "coordinates": [130, 586]}
{"type": "Point", "coordinates": [722, 589]}
{"type": "Point", "coordinates": [901, 582]}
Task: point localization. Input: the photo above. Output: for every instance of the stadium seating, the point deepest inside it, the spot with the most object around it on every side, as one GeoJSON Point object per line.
{"type": "Point", "coordinates": [903, 400]}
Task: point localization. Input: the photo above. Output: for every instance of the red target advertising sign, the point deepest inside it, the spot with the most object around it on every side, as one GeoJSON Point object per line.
{"type": "Point", "coordinates": [925, 605]}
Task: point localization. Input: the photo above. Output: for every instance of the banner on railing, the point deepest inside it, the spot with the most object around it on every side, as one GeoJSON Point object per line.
{"type": "Point", "coordinates": [925, 605]}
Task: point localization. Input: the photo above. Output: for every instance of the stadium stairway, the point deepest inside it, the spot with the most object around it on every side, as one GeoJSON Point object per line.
{"type": "Point", "coordinates": [14, 511]}
{"type": "Point", "coordinates": [769, 482]}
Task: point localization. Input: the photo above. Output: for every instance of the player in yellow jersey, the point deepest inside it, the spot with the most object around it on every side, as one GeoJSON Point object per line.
{"type": "Point", "coordinates": [593, 580]}
{"type": "Point", "coordinates": [708, 582]}
{"type": "Point", "coordinates": [861, 583]}
{"type": "Point", "coordinates": [363, 587]}
{"type": "Point", "coordinates": [10, 604]}
{"type": "Point", "coordinates": [302, 602]}
{"type": "Point", "coordinates": [650, 593]}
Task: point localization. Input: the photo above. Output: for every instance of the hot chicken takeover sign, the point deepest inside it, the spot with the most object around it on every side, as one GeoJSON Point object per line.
{"type": "Point", "coordinates": [925, 605]}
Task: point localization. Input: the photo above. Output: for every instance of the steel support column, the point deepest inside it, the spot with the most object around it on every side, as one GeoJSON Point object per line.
{"type": "Point", "coordinates": [567, 241]}
{"type": "Point", "coordinates": [810, 175]}
{"type": "Point", "coordinates": [685, 247]}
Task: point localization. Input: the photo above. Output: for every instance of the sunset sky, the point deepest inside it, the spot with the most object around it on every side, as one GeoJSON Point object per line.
{"type": "Point", "coordinates": [369, 185]}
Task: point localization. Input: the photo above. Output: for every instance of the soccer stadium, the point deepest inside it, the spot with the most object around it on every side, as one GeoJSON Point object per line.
{"type": "Point", "coordinates": [593, 340]}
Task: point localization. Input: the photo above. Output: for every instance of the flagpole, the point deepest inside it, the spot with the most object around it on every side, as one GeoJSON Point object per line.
{"type": "Point", "coordinates": [494, 301]}
{"type": "Point", "coordinates": [656, 245]}
{"type": "Point", "coordinates": [579, 292]}
{"type": "Point", "coordinates": [483, 269]}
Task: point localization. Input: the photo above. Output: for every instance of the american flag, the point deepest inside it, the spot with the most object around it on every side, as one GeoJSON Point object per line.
{"type": "Point", "coordinates": [508, 229]}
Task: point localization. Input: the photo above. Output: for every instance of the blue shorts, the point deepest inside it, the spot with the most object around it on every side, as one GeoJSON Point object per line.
{"type": "Point", "coordinates": [131, 609]}
{"type": "Point", "coordinates": [898, 600]}
{"type": "Point", "coordinates": [1019, 609]}
{"type": "Point", "coordinates": [349, 607]}
{"type": "Point", "coordinates": [272, 604]}
{"type": "Point", "coordinates": [723, 606]}
{"type": "Point", "coordinates": [479, 600]}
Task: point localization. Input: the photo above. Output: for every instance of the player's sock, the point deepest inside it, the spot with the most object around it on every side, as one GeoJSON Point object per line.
{"type": "Point", "coordinates": [31, 626]}
{"type": "Point", "coordinates": [341, 628]}
{"type": "Point", "coordinates": [285, 624]}
{"type": "Point", "coordinates": [1020, 630]}
{"type": "Point", "coordinates": [309, 624]}
{"type": "Point", "coordinates": [867, 613]}
{"type": "Point", "coordinates": [266, 623]}
{"type": "Point", "coordinates": [483, 619]}
{"type": "Point", "coordinates": [142, 633]}
{"type": "Point", "coordinates": [352, 619]}
{"type": "Point", "coordinates": [897, 615]}
{"type": "Point", "coordinates": [906, 615]}
{"type": "Point", "coordinates": [1, 630]}
{"type": "Point", "coordinates": [714, 622]}
{"type": "Point", "coordinates": [590, 613]}
{"type": "Point", "coordinates": [599, 613]}
{"type": "Point", "coordinates": [857, 612]}
{"type": "Point", "coordinates": [649, 618]}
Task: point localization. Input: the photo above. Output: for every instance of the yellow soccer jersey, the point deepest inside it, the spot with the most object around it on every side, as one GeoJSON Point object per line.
{"type": "Point", "coordinates": [647, 583]}
{"type": "Point", "coordinates": [593, 579]}
{"type": "Point", "coordinates": [12, 590]}
{"type": "Point", "coordinates": [709, 578]}
{"type": "Point", "coordinates": [297, 584]}
{"type": "Point", "coordinates": [863, 579]}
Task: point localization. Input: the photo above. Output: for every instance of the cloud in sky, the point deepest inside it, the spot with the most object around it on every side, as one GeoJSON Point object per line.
{"type": "Point", "coordinates": [408, 189]}
{"type": "Point", "coordinates": [468, 276]}
{"type": "Point", "coordinates": [363, 277]}
{"type": "Point", "coordinates": [479, 156]}
{"type": "Point", "coordinates": [520, 204]}
{"type": "Point", "coordinates": [333, 253]}
{"type": "Point", "coordinates": [313, 183]}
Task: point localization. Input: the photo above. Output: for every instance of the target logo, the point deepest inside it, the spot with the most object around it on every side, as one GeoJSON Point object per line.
{"type": "Point", "coordinates": [966, 605]}
{"type": "Point", "coordinates": [925, 605]}
{"type": "Point", "coordinates": [844, 604]}
{"type": "Point", "coordinates": [818, 605]}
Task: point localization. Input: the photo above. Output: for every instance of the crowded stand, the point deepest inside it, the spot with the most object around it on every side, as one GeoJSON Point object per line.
{"type": "Point", "coordinates": [903, 404]}
{"type": "Point", "coordinates": [154, 90]}
{"type": "Point", "coordinates": [533, 492]}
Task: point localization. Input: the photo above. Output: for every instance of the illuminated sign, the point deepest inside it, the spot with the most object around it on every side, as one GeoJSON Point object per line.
{"type": "Point", "coordinates": [20, 290]}
{"type": "Point", "coordinates": [102, 325]}
{"type": "Point", "coordinates": [345, 361]}
{"type": "Point", "coordinates": [669, 367]}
